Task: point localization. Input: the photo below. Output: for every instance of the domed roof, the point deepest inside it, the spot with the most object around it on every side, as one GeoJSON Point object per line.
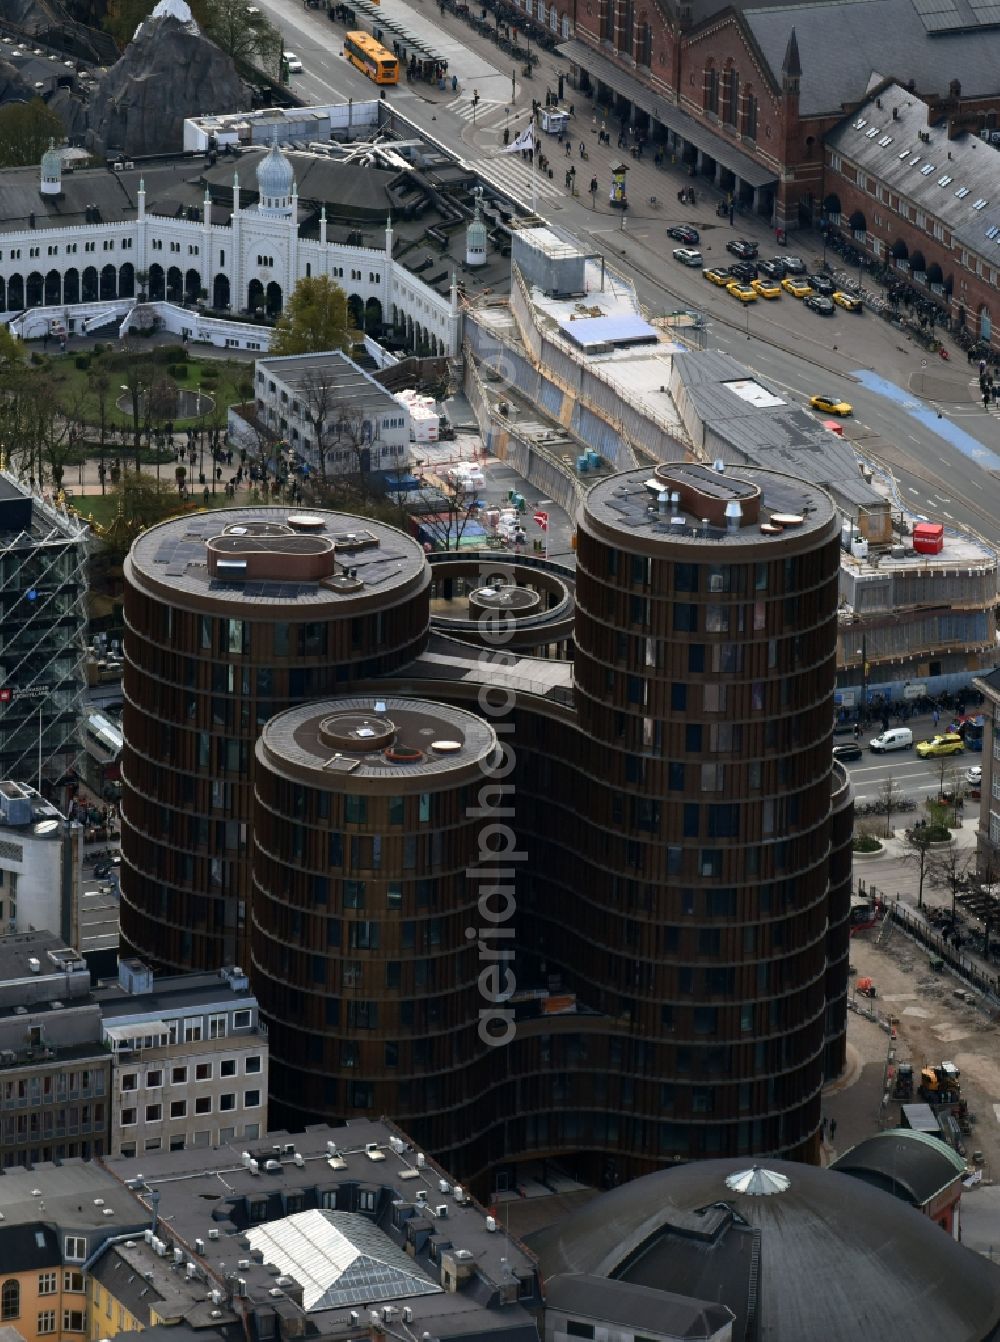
{"type": "Point", "coordinates": [275, 174]}
{"type": "Point", "coordinates": [905, 1163]}
{"type": "Point", "coordinates": [822, 1256]}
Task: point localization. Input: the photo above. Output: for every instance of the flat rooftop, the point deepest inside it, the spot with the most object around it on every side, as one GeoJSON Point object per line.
{"type": "Point", "coordinates": [172, 559]}
{"type": "Point", "coordinates": [385, 741]}
{"type": "Point", "coordinates": [634, 505]}
{"type": "Point", "coordinates": [333, 378]}
{"type": "Point", "coordinates": [960, 552]}
{"type": "Point", "coordinates": [210, 1201]}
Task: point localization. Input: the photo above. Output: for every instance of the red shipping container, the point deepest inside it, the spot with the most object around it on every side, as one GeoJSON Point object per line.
{"type": "Point", "coordinates": [928, 538]}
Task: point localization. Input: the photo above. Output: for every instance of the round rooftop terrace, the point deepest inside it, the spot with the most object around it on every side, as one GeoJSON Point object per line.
{"type": "Point", "coordinates": [680, 504]}
{"type": "Point", "coordinates": [268, 559]}
{"type": "Point", "coordinates": [377, 743]}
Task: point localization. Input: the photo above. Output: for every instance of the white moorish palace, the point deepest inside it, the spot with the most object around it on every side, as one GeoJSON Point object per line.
{"type": "Point", "coordinates": [73, 240]}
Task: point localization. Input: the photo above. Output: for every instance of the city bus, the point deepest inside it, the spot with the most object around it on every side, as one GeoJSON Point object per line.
{"type": "Point", "coordinates": [371, 58]}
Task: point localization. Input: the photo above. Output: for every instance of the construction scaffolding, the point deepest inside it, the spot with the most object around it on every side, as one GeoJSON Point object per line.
{"type": "Point", "coordinates": [43, 617]}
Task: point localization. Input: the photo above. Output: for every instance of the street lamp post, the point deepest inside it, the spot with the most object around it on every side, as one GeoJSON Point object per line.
{"type": "Point", "coordinates": [864, 678]}
{"type": "Point", "coordinates": [201, 436]}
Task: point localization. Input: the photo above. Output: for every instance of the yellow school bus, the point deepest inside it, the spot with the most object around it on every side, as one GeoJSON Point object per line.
{"type": "Point", "coordinates": [371, 58]}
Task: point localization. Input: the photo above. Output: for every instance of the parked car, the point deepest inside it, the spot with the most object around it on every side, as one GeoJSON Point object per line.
{"type": "Point", "coordinates": [767, 288]}
{"type": "Point", "coordinates": [794, 265]}
{"type": "Point", "coordinates": [743, 270]}
{"type": "Point", "coordinates": [896, 738]}
{"type": "Point", "coordinates": [774, 269]}
{"type": "Point", "coordinates": [822, 284]}
{"type": "Point", "coordinates": [292, 61]}
{"type": "Point", "coordinates": [846, 300]}
{"type": "Point", "coordinates": [687, 256]}
{"type": "Point", "coordinates": [821, 304]}
{"type": "Point", "coordinates": [746, 293]}
{"type": "Point", "coordinates": [718, 275]}
{"type": "Point", "coordinates": [974, 775]}
{"type": "Point", "coordinates": [947, 743]}
{"type": "Point", "coordinates": [796, 287]}
{"type": "Point", "coordinates": [850, 750]}
{"type": "Point", "coordinates": [740, 247]}
{"type": "Point", "coordinates": [830, 405]}
{"type": "Point", "coordinates": [686, 233]}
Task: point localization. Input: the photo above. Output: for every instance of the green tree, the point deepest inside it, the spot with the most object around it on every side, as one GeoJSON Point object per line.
{"type": "Point", "coordinates": [315, 319]}
{"type": "Point", "coordinates": [25, 132]}
{"type": "Point", "coordinates": [250, 39]}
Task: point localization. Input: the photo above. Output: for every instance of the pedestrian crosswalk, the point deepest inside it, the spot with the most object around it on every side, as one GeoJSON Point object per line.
{"type": "Point", "coordinates": [511, 173]}
{"type": "Point", "coordinates": [463, 107]}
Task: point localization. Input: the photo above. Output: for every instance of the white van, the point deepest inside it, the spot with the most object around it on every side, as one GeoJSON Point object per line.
{"type": "Point", "coordinates": [896, 738]}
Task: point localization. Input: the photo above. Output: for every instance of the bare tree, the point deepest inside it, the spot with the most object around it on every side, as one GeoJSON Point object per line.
{"type": "Point", "coordinates": [949, 871]}
{"type": "Point", "coordinates": [917, 853]}
{"type": "Point", "coordinates": [447, 515]}
{"type": "Point", "coordinates": [890, 800]}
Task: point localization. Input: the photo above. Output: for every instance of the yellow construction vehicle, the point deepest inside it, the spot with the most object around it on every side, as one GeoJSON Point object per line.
{"type": "Point", "coordinates": [940, 1082]}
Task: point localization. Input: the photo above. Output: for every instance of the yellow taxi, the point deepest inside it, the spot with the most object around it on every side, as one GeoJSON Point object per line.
{"type": "Point", "coordinates": [765, 288]}
{"type": "Point", "coordinates": [830, 405]}
{"type": "Point", "coordinates": [746, 293]}
{"type": "Point", "coordinates": [949, 743]}
{"type": "Point", "coordinates": [843, 299]}
{"type": "Point", "coordinates": [796, 287]}
{"type": "Point", "coordinates": [717, 275]}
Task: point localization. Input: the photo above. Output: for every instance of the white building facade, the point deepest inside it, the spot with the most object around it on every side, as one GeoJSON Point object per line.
{"type": "Point", "coordinates": [252, 263]}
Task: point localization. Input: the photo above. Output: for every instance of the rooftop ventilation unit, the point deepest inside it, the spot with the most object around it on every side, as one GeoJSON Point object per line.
{"type": "Point", "coordinates": [441, 1210]}
{"type": "Point", "coordinates": [212, 1234]}
{"type": "Point", "coordinates": [491, 1224]}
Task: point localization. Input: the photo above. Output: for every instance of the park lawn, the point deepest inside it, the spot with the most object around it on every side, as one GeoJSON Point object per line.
{"type": "Point", "coordinates": [72, 387]}
{"type": "Point", "coordinates": [100, 508]}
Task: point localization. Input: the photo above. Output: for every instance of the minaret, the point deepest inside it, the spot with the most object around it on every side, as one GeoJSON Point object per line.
{"type": "Point", "coordinates": [206, 209]}
{"type": "Point", "coordinates": [388, 238]}
{"type": "Point", "coordinates": [475, 235]}
{"type": "Point", "coordinates": [236, 193]}
{"type": "Point", "coordinates": [142, 198]}
{"type": "Point", "coordinates": [322, 227]}
{"type": "Point", "coordinates": [51, 183]}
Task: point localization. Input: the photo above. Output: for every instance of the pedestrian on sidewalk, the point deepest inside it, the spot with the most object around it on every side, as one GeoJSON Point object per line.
{"type": "Point", "coordinates": [857, 730]}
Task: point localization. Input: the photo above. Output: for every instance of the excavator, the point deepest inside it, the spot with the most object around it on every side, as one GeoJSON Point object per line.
{"type": "Point", "coordinates": [939, 1083]}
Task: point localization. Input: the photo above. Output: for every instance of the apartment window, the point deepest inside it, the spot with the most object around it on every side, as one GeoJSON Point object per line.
{"type": "Point", "coordinates": [72, 1281]}
{"type": "Point", "coordinates": [227, 1067]}
{"type": "Point", "coordinates": [178, 1108]}
{"type": "Point", "coordinates": [252, 1066]}
{"type": "Point", "coordinates": [154, 1112]}
{"type": "Point", "coordinates": [179, 1076]}
{"type": "Point", "coordinates": [72, 1320]}
{"type": "Point", "coordinates": [216, 1027]}
{"type": "Point", "coordinates": [130, 1081]}
{"type": "Point", "coordinates": [192, 1031]}
{"type": "Point", "coordinates": [75, 1248]}
{"type": "Point", "coordinates": [203, 1105]}
{"type": "Point", "coordinates": [46, 1321]}
{"type": "Point", "coordinates": [154, 1080]}
{"type": "Point", "coordinates": [10, 1299]}
{"type": "Point", "coordinates": [251, 1099]}
{"type": "Point", "coordinates": [575, 1329]}
{"type": "Point", "coordinates": [203, 1071]}
{"type": "Point", "coordinates": [47, 1283]}
{"type": "Point", "coordinates": [128, 1118]}
{"type": "Point", "coordinates": [227, 1102]}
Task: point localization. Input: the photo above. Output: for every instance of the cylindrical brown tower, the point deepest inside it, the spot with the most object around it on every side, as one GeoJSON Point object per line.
{"type": "Point", "coordinates": [365, 920]}
{"type": "Point", "coordinates": [693, 907]}
{"type": "Point", "coordinates": [231, 617]}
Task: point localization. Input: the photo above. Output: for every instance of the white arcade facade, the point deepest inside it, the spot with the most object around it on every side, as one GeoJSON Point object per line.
{"type": "Point", "coordinates": [248, 265]}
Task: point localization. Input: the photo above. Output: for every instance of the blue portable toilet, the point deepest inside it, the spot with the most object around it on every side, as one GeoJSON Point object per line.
{"type": "Point", "coordinates": [582, 463]}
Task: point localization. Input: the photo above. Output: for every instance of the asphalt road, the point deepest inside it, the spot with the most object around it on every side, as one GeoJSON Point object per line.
{"type": "Point", "coordinates": [914, 777]}
{"type": "Point", "coordinates": [913, 414]}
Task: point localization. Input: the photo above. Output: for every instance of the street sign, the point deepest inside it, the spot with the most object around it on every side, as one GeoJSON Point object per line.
{"type": "Point", "coordinates": [923, 365]}
{"type": "Point", "coordinates": [543, 520]}
{"type": "Point", "coordinates": [6, 695]}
